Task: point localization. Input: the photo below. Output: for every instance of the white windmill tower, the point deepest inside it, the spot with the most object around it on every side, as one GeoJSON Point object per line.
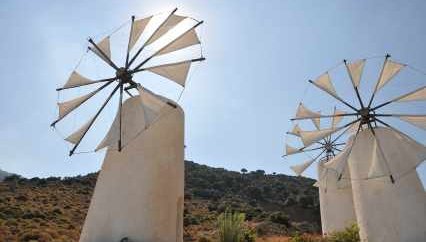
{"type": "Point", "coordinates": [335, 197]}
{"type": "Point", "coordinates": [139, 193]}
{"type": "Point", "coordinates": [379, 160]}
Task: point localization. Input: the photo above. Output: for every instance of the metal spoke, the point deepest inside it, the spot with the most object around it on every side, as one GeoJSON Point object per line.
{"type": "Point", "coordinates": [355, 88]}
{"type": "Point", "coordinates": [120, 112]}
{"type": "Point", "coordinates": [128, 44]}
{"type": "Point", "coordinates": [336, 97]}
{"type": "Point", "coordinates": [397, 98]}
{"type": "Point", "coordinates": [377, 84]}
{"type": "Point", "coordinates": [107, 59]}
{"type": "Point", "coordinates": [93, 120]}
{"type": "Point", "coordinates": [93, 82]}
{"type": "Point", "coordinates": [326, 116]}
{"type": "Point", "coordinates": [170, 64]}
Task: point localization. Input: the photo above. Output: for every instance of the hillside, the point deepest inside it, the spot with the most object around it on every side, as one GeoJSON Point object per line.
{"type": "Point", "coordinates": [4, 174]}
{"type": "Point", "coordinates": [53, 209]}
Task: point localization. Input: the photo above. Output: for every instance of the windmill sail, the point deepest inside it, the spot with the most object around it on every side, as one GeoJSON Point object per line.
{"type": "Point", "coordinates": [299, 169]}
{"type": "Point", "coordinates": [169, 24]}
{"type": "Point", "coordinates": [355, 70]}
{"type": "Point", "coordinates": [68, 106]}
{"type": "Point", "coordinates": [138, 28]}
{"type": "Point", "coordinates": [76, 137]}
{"type": "Point", "coordinates": [177, 72]}
{"type": "Point", "coordinates": [303, 112]}
{"type": "Point", "coordinates": [417, 95]}
{"type": "Point", "coordinates": [419, 121]}
{"type": "Point", "coordinates": [296, 130]}
{"type": "Point", "coordinates": [104, 51]}
{"type": "Point", "coordinates": [76, 79]}
{"type": "Point", "coordinates": [310, 137]}
{"type": "Point", "coordinates": [390, 69]}
{"type": "Point", "coordinates": [324, 82]}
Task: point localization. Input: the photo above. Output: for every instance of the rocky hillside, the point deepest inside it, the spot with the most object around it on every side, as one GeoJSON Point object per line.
{"type": "Point", "coordinates": [53, 209]}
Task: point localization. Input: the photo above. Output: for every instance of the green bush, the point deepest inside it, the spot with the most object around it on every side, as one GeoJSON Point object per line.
{"type": "Point", "coordinates": [232, 228]}
{"type": "Point", "coordinates": [350, 234]}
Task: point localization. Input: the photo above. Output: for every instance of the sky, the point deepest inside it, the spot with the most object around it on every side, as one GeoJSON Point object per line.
{"type": "Point", "coordinates": [237, 103]}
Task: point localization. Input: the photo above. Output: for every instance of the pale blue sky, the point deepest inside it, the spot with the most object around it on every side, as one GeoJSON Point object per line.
{"type": "Point", "coordinates": [238, 103]}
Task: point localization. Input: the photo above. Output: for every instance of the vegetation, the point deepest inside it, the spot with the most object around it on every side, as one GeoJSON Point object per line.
{"type": "Point", "coordinates": [53, 209]}
{"type": "Point", "coordinates": [349, 234]}
{"type": "Point", "coordinates": [231, 226]}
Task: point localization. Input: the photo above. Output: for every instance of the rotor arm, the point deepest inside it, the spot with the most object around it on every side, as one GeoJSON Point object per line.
{"type": "Point", "coordinates": [86, 84]}
{"type": "Point", "coordinates": [128, 44]}
{"type": "Point", "coordinates": [325, 116]}
{"type": "Point", "coordinates": [336, 97]}
{"type": "Point", "coordinates": [107, 59]}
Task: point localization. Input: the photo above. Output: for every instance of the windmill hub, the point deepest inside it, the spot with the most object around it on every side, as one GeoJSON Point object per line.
{"type": "Point", "coordinates": [328, 147]}
{"type": "Point", "coordinates": [367, 115]}
{"type": "Point", "coordinates": [123, 75]}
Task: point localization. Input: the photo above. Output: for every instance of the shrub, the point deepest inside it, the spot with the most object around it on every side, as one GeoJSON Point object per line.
{"type": "Point", "coordinates": [279, 218]}
{"type": "Point", "coordinates": [231, 226]}
{"type": "Point", "coordinates": [350, 234]}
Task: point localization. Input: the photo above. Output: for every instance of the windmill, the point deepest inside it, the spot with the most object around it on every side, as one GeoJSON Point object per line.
{"type": "Point", "coordinates": [335, 197]}
{"type": "Point", "coordinates": [326, 148]}
{"type": "Point", "coordinates": [163, 41]}
{"type": "Point", "coordinates": [140, 188]}
{"type": "Point", "coordinates": [379, 159]}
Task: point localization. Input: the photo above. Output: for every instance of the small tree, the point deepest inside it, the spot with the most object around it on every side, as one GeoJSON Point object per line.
{"type": "Point", "coordinates": [244, 170]}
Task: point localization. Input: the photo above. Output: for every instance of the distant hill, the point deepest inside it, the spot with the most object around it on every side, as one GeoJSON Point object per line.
{"type": "Point", "coordinates": [4, 174]}
{"type": "Point", "coordinates": [53, 209]}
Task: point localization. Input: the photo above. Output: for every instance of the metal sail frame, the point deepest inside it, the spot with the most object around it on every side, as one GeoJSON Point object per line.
{"type": "Point", "coordinates": [368, 115]}
{"type": "Point", "coordinates": [124, 75]}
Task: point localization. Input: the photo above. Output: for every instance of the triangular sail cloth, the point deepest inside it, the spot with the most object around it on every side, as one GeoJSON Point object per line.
{"type": "Point", "coordinates": [310, 137]}
{"type": "Point", "coordinates": [390, 69]}
{"type": "Point", "coordinates": [303, 112]}
{"type": "Point", "coordinates": [299, 169]}
{"type": "Point", "coordinates": [289, 150]}
{"type": "Point", "coordinates": [169, 24]}
{"type": "Point", "coordinates": [138, 28]}
{"type": "Point", "coordinates": [296, 130]}
{"type": "Point", "coordinates": [75, 137]}
{"type": "Point", "coordinates": [186, 40]}
{"type": "Point", "coordinates": [417, 95]}
{"type": "Point", "coordinates": [76, 79]}
{"type": "Point", "coordinates": [177, 72]}
{"type": "Point", "coordinates": [419, 121]}
{"type": "Point", "coordinates": [104, 46]}
{"type": "Point", "coordinates": [324, 83]}
{"type": "Point", "coordinates": [355, 70]}
{"type": "Point", "coordinates": [68, 106]}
